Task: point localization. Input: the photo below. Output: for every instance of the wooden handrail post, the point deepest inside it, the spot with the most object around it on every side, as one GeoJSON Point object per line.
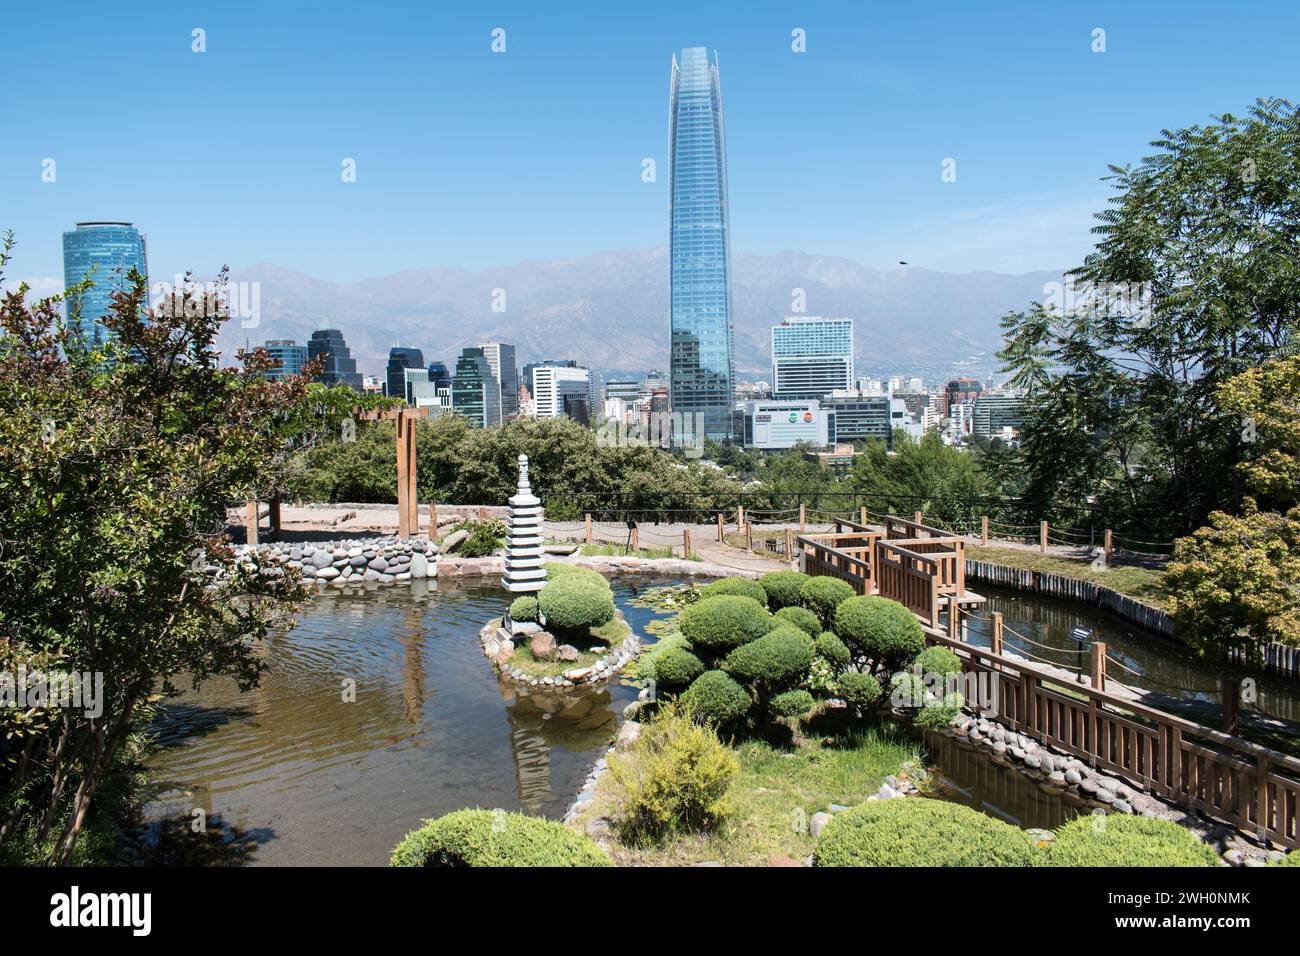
{"type": "Point", "coordinates": [803, 519]}
{"type": "Point", "coordinates": [1231, 691]}
{"type": "Point", "coordinates": [749, 535]}
{"type": "Point", "coordinates": [996, 646]}
{"type": "Point", "coordinates": [740, 516]}
{"type": "Point", "coordinates": [862, 515]}
{"type": "Point", "coordinates": [250, 522]}
{"type": "Point", "coordinates": [1110, 544]}
{"type": "Point", "coordinates": [984, 530]}
{"type": "Point", "coordinates": [1042, 537]}
{"type": "Point", "coordinates": [586, 527]}
{"type": "Point", "coordinates": [636, 537]}
{"type": "Point", "coordinates": [789, 544]}
{"type": "Point", "coordinates": [686, 544]}
{"type": "Point", "coordinates": [916, 519]}
{"type": "Point", "coordinates": [1099, 665]}
{"type": "Point", "coordinates": [954, 625]}
{"type": "Point", "coordinates": [721, 536]}
{"type": "Point", "coordinates": [273, 518]}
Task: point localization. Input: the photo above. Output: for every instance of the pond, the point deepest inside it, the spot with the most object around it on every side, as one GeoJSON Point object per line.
{"type": "Point", "coordinates": [289, 774]}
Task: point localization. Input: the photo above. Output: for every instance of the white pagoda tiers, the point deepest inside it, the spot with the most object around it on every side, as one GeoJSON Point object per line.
{"type": "Point", "coordinates": [524, 538]}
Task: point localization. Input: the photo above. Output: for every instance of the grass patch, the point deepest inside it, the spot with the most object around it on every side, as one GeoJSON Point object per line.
{"type": "Point", "coordinates": [774, 785]}
{"type": "Point", "coordinates": [618, 551]}
{"type": "Point", "coordinates": [592, 645]}
{"type": "Point", "coordinates": [1145, 584]}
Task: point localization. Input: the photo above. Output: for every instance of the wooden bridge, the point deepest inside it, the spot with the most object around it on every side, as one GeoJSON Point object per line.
{"type": "Point", "coordinates": [1189, 764]}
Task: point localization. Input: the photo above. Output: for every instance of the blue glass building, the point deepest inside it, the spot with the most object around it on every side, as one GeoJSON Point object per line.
{"type": "Point", "coordinates": [400, 359]}
{"type": "Point", "coordinates": [104, 252]}
{"type": "Point", "coordinates": [703, 363]}
{"type": "Point", "coordinates": [291, 356]}
{"type": "Point", "coordinates": [340, 367]}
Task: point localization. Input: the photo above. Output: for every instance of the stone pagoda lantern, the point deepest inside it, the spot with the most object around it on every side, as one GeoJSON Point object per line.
{"type": "Point", "coordinates": [524, 538]}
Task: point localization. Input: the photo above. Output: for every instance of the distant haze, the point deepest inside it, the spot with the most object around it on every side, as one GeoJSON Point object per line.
{"type": "Point", "coordinates": [610, 310]}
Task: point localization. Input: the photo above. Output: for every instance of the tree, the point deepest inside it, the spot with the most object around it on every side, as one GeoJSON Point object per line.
{"type": "Point", "coordinates": [1266, 402]}
{"type": "Point", "coordinates": [116, 468]}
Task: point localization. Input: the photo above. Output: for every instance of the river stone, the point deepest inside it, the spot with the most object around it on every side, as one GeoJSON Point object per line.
{"type": "Point", "coordinates": [378, 564]}
{"type": "Point", "coordinates": [1072, 776]}
{"type": "Point", "coordinates": [359, 561]}
{"type": "Point", "coordinates": [818, 823]}
{"type": "Point", "coordinates": [565, 652]}
{"type": "Point", "coordinates": [419, 565]}
{"type": "Point", "coordinates": [327, 573]}
{"type": "Point", "coordinates": [454, 540]}
{"type": "Point", "coordinates": [627, 736]}
{"type": "Point", "coordinates": [322, 559]}
{"type": "Point", "coordinates": [1104, 795]}
{"type": "Point", "coordinates": [577, 674]}
{"type": "Point", "coordinates": [542, 646]}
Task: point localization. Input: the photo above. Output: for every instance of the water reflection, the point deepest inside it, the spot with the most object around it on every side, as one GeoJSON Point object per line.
{"type": "Point", "coordinates": [292, 773]}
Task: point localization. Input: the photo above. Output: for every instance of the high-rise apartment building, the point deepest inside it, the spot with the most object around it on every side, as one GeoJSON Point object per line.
{"type": "Point", "coordinates": [703, 363]}
{"type": "Point", "coordinates": [340, 367]}
{"type": "Point", "coordinates": [291, 356]}
{"type": "Point", "coordinates": [563, 390]}
{"type": "Point", "coordinates": [811, 357]}
{"type": "Point", "coordinates": [475, 392]}
{"type": "Point", "coordinates": [501, 360]}
{"type": "Point", "coordinates": [105, 253]}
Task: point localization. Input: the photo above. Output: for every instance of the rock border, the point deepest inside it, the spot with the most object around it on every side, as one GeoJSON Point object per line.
{"type": "Point", "coordinates": [495, 565]}
{"type": "Point", "coordinates": [378, 560]}
{"type": "Point", "coordinates": [493, 637]}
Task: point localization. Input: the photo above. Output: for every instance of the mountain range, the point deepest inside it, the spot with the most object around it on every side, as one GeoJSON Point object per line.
{"type": "Point", "coordinates": [609, 310]}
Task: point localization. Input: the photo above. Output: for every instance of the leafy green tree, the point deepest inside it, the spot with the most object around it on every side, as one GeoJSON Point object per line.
{"type": "Point", "coordinates": [1266, 401]}
{"type": "Point", "coordinates": [116, 468]}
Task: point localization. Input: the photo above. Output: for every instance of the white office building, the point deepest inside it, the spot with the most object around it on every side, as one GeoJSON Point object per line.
{"type": "Point", "coordinates": [783, 424]}
{"type": "Point", "coordinates": [559, 390]}
{"type": "Point", "coordinates": [811, 357]}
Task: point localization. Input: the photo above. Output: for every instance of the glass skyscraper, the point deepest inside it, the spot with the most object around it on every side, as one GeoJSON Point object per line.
{"type": "Point", "coordinates": [104, 252]}
{"type": "Point", "coordinates": [340, 367]}
{"type": "Point", "coordinates": [475, 391]}
{"type": "Point", "coordinates": [291, 355]}
{"type": "Point", "coordinates": [703, 363]}
{"type": "Point", "coordinates": [400, 359]}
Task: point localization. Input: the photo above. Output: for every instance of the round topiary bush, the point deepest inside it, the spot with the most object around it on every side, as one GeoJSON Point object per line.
{"type": "Point", "coordinates": [779, 657]}
{"type": "Point", "coordinates": [801, 618]}
{"type": "Point", "coordinates": [885, 631]}
{"type": "Point", "coordinates": [523, 608]}
{"type": "Point", "coordinates": [783, 587]}
{"type": "Point", "coordinates": [1114, 840]}
{"type": "Point", "coordinates": [862, 691]}
{"type": "Point", "coordinates": [938, 660]}
{"type": "Point", "coordinates": [715, 698]}
{"type": "Point", "coordinates": [558, 569]}
{"type": "Point", "coordinates": [575, 602]}
{"type": "Point", "coordinates": [829, 646]}
{"type": "Point", "coordinates": [715, 625]}
{"type": "Point", "coordinates": [792, 703]}
{"type": "Point", "coordinates": [916, 831]}
{"type": "Point", "coordinates": [495, 838]}
{"type": "Point", "coordinates": [744, 587]}
{"type": "Point", "coordinates": [676, 668]}
{"type": "Point", "coordinates": [823, 595]}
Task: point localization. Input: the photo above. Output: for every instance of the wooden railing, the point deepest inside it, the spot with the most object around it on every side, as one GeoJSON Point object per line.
{"type": "Point", "coordinates": [1195, 766]}
{"type": "Point", "coordinates": [910, 578]}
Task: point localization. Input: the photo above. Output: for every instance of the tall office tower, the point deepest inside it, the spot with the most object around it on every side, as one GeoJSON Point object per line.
{"type": "Point", "coordinates": [811, 357]}
{"type": "Point", "coordinates": [501, 360]}
{"type": "Point", "coordinates": [400, 359]}
{"type": "Point", "coordinates": [960, 390]}
{"type": "Point", "coordinates": [563, 390]}
{"type": "Point", "coordinates": [291, 356]}
{"type": "Point", "coordinates": [475, 392]}
{"type": "Point", "coordinates": [105, 253]}
{"type": "Point", "coordinates": [703, 360]}
{"type": "Point", "coordinates": [440, 375]}
{"type": "Point", "coordinates": [340, 367]}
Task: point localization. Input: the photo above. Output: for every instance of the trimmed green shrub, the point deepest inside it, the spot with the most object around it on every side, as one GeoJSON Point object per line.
{"type": "Point", "coordinates": [676, 668]}
{"type": "Point", "coordinates": [715, 625]}
{"type": "Point", "coordinates": [937, 715]}
{"type": "Point", "coordinates": [779, 657]}
{"type": "Point", "coordinates": [1291, 859]}
{"type": "Point", "coordinates": [792, 703]}
{"type": "Point", "coordinates": [574, 602]}
{"type": "Point", "coordinates": [558, 569]}
{"type": "Point", "coordinates": [783, 587]}
{"type": "Point", "coordinates": [801, 618]}
{"type": "Point", "coordinates": [485, 537]}
{"type": "Point", "coordinates": [885, 631]}
{"type": "Point", "coordinates": [1114, 841]}
{"type": "Point", "coordinates": [495, 838]}
{"type": "Point", "coordinates": [861, 690]}
{"type": "Point", "coordinates": [938, 660]}
{"type": "Point", "coordinates": [916, 831]}
{"type": "Point", "coordinates": [715, 698]}
{"type": "Point", "coordinates": [833, 649]}
{"type": "Point", "coordinates": [823, 595]}
{"type": "Point", "coordinates": [523, 608]}
{"type": "Point", "coordinates": [907, 690]}
{"type": "Point", "coordinates": [675, 778]}
{"type": "Point", "coordinates": [745, 587]}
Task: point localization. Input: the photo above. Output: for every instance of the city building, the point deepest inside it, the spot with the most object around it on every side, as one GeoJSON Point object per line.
{"type": "Point", "coordinates": [372, 384]}
{"type": "Point", "coordinates": [997, 415]}
{"type": "Point", "coordinates": [871, 386]}
{"type": "Point", "coordinates": [291, 356]}
{"type": "Point", "coordinates": [340, 367]}
{"type": "Point", "coordinates": [440, 375]}
{"type": "Point", "coordinates": [840, 458]}
{"type": "Point", "coordinates": [861, 417]}
{"type": "Point", "coordinates": [105, 253]}
{"type": "Point", "coordinates": [475, 392]}
{"type": "Point", "coordinates": [811, 357]}
{"type": "Point", "coordinates": [961, 389]}
{"type": "Point", "coordinates": [702, 353]}
{"type": "Point", "coordinates": [778, 424]}
{"type": "Point", "coordinates": [399, 360]}
{"type": "Point", "coordinates": [501, 360]}
{"type": "Point", "coordinates": [563, 390]}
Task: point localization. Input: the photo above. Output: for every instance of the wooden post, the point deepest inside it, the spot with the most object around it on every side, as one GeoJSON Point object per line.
{"type": "Point", "coordinates": [803, 519]}
{"type": "Point", "coordinates": [1042, 537]}
{"type": "Point", "coordinates": [412, 494]}
{"type": "Point", "coordinates": [749, 535]}
{"type": "Point", "coordinates": [740, 516]}
{"type": "Point", "coordinates": [984, 530]}
{"type": "Point", "coordinates": [482, 513]}
{"type": "Point", "coordinates": [916, 519]}
{"type": "Point", "coordinates": [954, 623]}
{"type": "Point", "coordinates": [686, 544]}
{"type": "Point", "coordinates": [273, 519]}
{"type": "Point", "coordinates": [862, 515]}
{"type": "Point", "coordinates": [1099, 665]}
{"type": "Point", "coordinates": [1231, 690]}
{"type": "Point", "coordinates": [996, 646]}
{"type": "Point", "coordinates": [636, 537]}
{"type": "Point", "coordinates": [403, 462]}
{"type": "Point", "coordinates": [250, 522]}
{"type": "Point", "coordinates": [587, 527]}
{"type": "Point", "coordinates": [1110, 544]}
{"type": "Point", "coordinates": [789, 545]}
{"type": "Point", "coordinates": [721, 535]}
{"type": "Point", "coordinates": [433, 520]}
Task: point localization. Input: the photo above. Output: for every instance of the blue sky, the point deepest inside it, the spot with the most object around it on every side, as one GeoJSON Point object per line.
{"type": "Point", "coordinates": [470, 158]}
